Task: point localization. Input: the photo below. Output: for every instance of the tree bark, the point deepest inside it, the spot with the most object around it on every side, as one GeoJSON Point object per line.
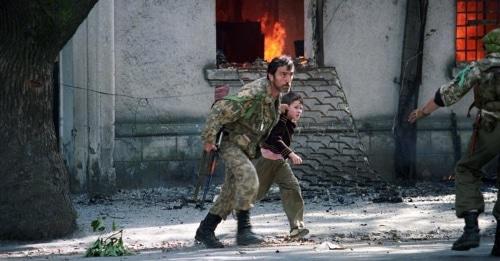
{"type": "Point", "coordinates": [34, 197]}
{"type": "Point", "coordinates": [405, 134]}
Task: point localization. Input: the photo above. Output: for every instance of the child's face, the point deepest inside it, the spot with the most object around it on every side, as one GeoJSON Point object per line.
{"type": "Point", "coordinates": [294, 111]}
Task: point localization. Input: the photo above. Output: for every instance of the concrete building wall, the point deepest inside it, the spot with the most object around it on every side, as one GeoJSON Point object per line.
{"type": "Point", "coordinates": [364, 40]}
{"type": "Point", "coordinates": [87, 73]}
{"type": "Point", "coordinates": [308, 28]}
{"type": "Point", "coordinates": [161, 49]}
{"type": "Point", "coordinates": [439, 54]}
{"type": "Point", "coordinates": [160, 52]}
{"type": "Point", "coordinates": [435, 148]}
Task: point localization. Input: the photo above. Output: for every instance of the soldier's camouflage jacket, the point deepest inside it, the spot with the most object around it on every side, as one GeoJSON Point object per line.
{"type": "Point", "coordinates": [485, 74]}
{"type": "Point", "coordinates": [247, 117]}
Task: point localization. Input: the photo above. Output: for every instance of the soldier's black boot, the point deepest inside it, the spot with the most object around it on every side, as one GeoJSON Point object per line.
{"type": "Point", "coordinates": [495, 251]}
{"type": "Point", "coordinates": [470, 237]}
{"type": "Point", "coordinates": [206, 231]}
{"type": "Point", "coordinates": [245, 235]}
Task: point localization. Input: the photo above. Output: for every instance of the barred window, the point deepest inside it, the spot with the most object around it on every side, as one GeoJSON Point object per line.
{"type": "Point", "coordinates": [475, 18]}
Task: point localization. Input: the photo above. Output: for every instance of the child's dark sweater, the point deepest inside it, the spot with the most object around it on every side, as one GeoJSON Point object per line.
{"type": "Point", "coordinates": [280, 137]}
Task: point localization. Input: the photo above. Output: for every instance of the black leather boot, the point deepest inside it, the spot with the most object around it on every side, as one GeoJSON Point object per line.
{"type": "Point", "coordinates": [206, 231]}
{"type": "Point", "coordinates": [495, 251]}
{"type": "Point", "coordinates": [470, 237]}
{"type": "Point", "coordinates": [245, 235]}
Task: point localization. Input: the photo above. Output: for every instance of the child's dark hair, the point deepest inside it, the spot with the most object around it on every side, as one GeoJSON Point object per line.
{"type": "Point", "coordinates": [290, 97]}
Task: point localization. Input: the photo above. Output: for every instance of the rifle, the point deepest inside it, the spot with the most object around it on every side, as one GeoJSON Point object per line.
{"type": "Point", "coordinates": [207, 171]}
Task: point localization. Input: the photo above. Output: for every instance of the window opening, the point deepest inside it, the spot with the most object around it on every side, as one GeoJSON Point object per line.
{"type": "Point", "coordinates": [475, 18]}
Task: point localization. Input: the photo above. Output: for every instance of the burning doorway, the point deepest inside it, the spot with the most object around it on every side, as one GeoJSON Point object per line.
{"type": "Point", "coordinates": [251, 29]}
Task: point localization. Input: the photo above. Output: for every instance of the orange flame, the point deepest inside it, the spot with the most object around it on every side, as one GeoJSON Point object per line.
{"type": "Point", "coordinates": [274, 38]}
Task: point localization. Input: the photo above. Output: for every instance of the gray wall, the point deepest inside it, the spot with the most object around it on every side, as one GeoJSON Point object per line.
{"type": "Point", "coordinates": [161, 49]}
{"type": "Point", "coordinates": [364, 40]}
{"type": "Point", "coordinates": [88, 117]}
{"type": "Point", "coordinates": [439, 55]}
{"type": "Point", "coordinates": [434, 143]}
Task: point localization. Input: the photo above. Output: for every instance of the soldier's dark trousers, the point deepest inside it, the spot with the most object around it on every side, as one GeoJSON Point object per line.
{"type": "Point", "coordinates": [468, 173]}
{"type": "Point", "coordinates": [279, 172]}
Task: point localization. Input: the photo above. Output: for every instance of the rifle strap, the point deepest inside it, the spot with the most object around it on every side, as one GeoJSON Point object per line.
{"type": "Point", "coordinates": [476, 101]}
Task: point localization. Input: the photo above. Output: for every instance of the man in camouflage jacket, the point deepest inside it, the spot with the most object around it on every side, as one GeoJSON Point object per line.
{"type": "Point", "coordinates": [483, 77]}
{"type": "Point", "coordinates": [247, 118]}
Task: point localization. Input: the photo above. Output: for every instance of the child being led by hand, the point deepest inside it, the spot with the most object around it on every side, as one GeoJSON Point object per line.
{"type": "Point", "coordinates": [273, 167]}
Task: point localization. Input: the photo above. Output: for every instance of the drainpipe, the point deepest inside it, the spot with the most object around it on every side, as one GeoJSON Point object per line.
{"type": "Point", "coordinates": [405, 134]}
{"type": "Point", "coordinates": [318, 34]}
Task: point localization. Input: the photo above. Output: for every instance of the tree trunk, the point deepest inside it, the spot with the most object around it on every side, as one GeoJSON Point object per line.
{"type": "Point", "coordinates": [405, 134]}
{"type": "Point", "coordinates": [34, 198]}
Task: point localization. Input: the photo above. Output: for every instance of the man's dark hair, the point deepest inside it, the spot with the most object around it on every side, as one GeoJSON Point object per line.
{"type": "Point", "coordinates": [290, 97]}
{"type": "Point", "coordinates": [279, 61]}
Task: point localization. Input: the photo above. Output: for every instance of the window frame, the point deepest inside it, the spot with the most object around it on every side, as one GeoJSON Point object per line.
{"type": "Point", "coordinates": [474, 19]}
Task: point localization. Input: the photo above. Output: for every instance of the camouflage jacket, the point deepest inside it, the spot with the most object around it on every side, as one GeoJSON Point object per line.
{"type": "Point", "coordinates": [477, 73]}
{"type": "Point", "coordinates": [247, 117]}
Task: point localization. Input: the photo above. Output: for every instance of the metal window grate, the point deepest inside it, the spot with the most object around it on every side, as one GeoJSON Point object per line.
{"type": "Point", "coordinates": [475, 18]}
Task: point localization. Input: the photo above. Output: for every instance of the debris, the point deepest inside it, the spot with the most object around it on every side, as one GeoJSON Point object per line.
{"type": "Point", "coordinates": [329, 246]}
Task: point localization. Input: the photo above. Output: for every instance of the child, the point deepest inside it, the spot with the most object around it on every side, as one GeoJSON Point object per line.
{"type": "Point", "coordinates": [273, 166]}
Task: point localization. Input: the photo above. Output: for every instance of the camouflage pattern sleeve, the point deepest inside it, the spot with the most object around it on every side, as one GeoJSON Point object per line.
{"type": "Point", "coordinates": [453, 91]}
{"type": "Point", "coordinates": [223, 111]}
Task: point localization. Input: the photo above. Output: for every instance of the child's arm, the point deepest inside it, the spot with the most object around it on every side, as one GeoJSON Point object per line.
{"type": "Point", "coordinates": [276, 142]}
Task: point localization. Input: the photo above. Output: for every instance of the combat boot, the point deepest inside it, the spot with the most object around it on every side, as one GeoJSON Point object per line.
{"type": "Point", "coordinates": [206, 231]}
{"type": "Point", "coordinates": [298, 232]}
{"type": "Point", "coordinates": [245, 236]}
{"type": "Point", "coordinates": [470, 237]}
{"type": "Point", "coordinates": [495, 251]}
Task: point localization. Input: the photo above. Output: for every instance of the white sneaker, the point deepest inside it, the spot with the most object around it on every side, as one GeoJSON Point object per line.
{"type": "Point", "coordinates": [299, 232]}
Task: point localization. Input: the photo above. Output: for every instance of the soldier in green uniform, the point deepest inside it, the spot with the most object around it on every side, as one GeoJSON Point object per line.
{"type": "Point", "coordinates": [247, 117]}
{"type": "Point", "coordinates": [483, 77]}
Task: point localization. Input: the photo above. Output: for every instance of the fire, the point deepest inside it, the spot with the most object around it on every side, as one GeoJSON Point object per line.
{"type": "Point", "coordinates": [274, 38]}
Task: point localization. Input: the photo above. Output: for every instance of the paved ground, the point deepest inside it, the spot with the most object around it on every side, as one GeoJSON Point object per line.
{"type": "Point", "coordinates": [433, 250]}
{"type": "Point", "coordinates": [156, 226]}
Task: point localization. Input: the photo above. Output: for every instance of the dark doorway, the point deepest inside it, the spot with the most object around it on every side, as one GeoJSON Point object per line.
{"type": "Point", "coordinates": [234, 37]}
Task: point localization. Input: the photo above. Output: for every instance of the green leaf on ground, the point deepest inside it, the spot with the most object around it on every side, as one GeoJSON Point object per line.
{"type": "Point", "coordinates": [97, 225]}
